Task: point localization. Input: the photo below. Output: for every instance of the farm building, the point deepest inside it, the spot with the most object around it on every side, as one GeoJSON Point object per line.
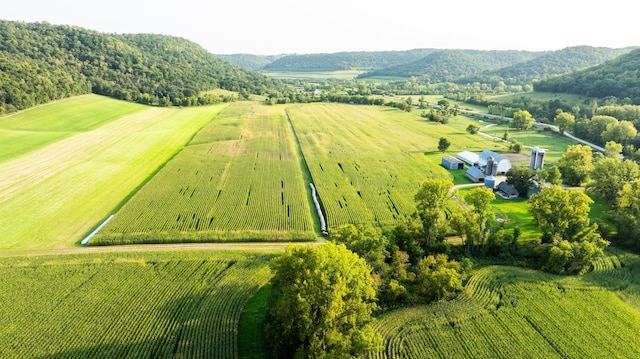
{"type": "Point", "coordinates": [493, 163]}
{"type": "Point", "coordinates": [507, 191]}
{"type": "Point", "coordinates": [475, 174]}
{"type": "Point", "coordinates": [537, 158]}
{"type": "Point", "coordinates": [468, 157]}
{"type": "Point", "coordinates": [452, 163]}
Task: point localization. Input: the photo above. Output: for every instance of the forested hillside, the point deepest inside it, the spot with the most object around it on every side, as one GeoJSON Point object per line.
{"type": "Point", "coordinates": [249, 61]}
{"type": "Point", "coordinates": [619, 77]}
{"type": "Point", "coordinates": [449, 65]}
{"type": "Point", "coordinates": [40, 62]}
{"type": "Point", "coordinates": [549, 64]}
{"type": "Point", "coordinates": [346, 60]}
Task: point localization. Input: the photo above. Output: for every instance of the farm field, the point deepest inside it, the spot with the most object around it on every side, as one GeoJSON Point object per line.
{"type": "Point", "coordinates": [314, 75]}
{"type": "Point", "coordinates": [39, 126]}
{"type": "Point", "coordinates": [238, 179]}
{"type": "Point", "coordinates": [368, 162]}
{"type": "Point", "coordinates": [54, 195]}
{"type": "Point", "coordinates": [114, 305]}
{"type": "Point", "coordinates": [508, 312]}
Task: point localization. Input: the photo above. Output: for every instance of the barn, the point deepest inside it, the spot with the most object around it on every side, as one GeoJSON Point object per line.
{"type": "Point", "coordinates": [493, 163]}
{"type": "Point", "coordinates": [468, 157]}
{"type": "Point", "coordinates": [452, 163]}
{"type": "Point", "coordinates": [507, 191]}
{"type": "Point", "coordinates": [475, 174]}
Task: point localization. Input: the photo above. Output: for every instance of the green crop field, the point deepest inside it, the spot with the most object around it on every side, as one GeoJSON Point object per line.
{"type": "Point", "coordinates": [37, 127]}
{"type": "Point", "coordinates": [368, 162]}
{"type": "Point", "coordinates": [508, 312]}
{"type": "Point", "coordinates": [238, 179]}
{"type": "Point", "coordinates": [178, 304]}
{"type": "Point", "coordinates": [52, 196]}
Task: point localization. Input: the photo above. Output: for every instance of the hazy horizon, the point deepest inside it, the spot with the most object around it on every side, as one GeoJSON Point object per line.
{"type": "Point", "coordinates": [290, 27]}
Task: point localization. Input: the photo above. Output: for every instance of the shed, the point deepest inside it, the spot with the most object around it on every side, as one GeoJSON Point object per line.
{"type": "Point", "coordinates": [507, 190]}
{"type": "Point", "coordinates": [490, 182]}
{"type": "Point", "coordinates": [500, 163]}
{"type": "Point", "coordinates": [468, 157]}
{"type": "Point", "coordinates": [475, 174]}
{"type": "Point", "coordinates": [452, 163]}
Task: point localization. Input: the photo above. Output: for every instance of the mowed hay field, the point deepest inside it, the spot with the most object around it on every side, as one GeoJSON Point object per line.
{"type": "Point", "coordinates": [37, 127]}
{"type": "Point", "coordinates": [368, 162]}
{"type": "Point", "coordinates": [508, 312]}
{"type": "Point", "coordinates": [178, 304]}
{"type": "Point", "coordinates": [53, 195]}
{"type": "Point", "coordinates": [238, 179]}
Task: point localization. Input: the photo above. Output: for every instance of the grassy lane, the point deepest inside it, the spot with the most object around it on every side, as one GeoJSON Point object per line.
{"type": "Point", "coordinates": [37, 127]}
{"type": "Point", "coordinates": [51, 197]}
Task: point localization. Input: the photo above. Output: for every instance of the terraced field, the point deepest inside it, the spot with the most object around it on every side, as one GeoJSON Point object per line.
{"type": "Point", "coordinates": [238, 179]}
{"type": "Point", "coordinates": [368, 162]}
{"type": "Point", "coordinates": [179, 304]}
{"type": "Point", "coordinates": [54, 194]}
{"type": "Point", "coordinates": [510, 312]}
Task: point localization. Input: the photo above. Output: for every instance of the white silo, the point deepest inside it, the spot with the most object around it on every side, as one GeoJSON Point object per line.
{"type": "Point", "coordinates": [537, 158]}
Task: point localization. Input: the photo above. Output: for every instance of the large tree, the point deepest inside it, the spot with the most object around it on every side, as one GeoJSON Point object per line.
{"type": "Point", "coordinates": [521, 178]}
{"type": "Point", "coordinates": [480, 199]}
{"type": "Point", "coordinates": [564, 120]}
{"type": "Point", "coordinates": [610, 174]}
{"type": "Point", "coordinates": [562, 212]}
{"type": "Point", "coordinates": [322, 300]}
{"type": "Point", "coordinates": [621, 132]}
{"type": "Point", "coordinates": [575, 164]}
{"type": "Point", "coordinates": [522, 120]}
{"type": "Point", "coordinates": [430, 201]}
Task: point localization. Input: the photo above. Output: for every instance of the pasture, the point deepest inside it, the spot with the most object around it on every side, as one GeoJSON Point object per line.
{"type": "Point", "coordinates": [39, 126]}
{"type": "Point", "coordinates": [314, 75]}
{"type": "Point", "coordinates": [238, 179]}
{"type": "Point", "coordinates": [54, 195]}
{"type": "Point", "coordinates": [508, 312]}
{"type": "Point", "coordinates": [184, 304]}
{"type": "Point", "coordinates": [368, 162]}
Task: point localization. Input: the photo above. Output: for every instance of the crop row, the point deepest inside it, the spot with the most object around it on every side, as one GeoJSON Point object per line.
{"type": "Point", "coordinates": [367, 164]}
{"type": "Point", "coordinates": [218, 185]}
{"type": "Point", "coordinates": [142, 308]}
{"type": "Point", "coordinates": [509, 312]}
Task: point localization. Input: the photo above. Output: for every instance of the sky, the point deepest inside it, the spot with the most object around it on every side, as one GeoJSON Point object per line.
{"type": "Point", "coordinates": [289, 26]}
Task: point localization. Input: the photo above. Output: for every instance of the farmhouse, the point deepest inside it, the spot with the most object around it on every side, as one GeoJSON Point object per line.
{"type": "Point", "coordinates": [507, 191]}
{"type": "Point", "coordinates": [475, 174]}
{"type": "Point", "coordinates": [452, 163]}
{"type": "Point", "coordinates": [468, 157]}
{"type": "Point", "coordinates": [493, 164]}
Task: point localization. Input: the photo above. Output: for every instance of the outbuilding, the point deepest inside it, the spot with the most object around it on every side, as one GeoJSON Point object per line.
{"type": "Point", "coordinates": [507, 191]}
{"type": "Point", "coordinates": [468, 157]}
{"type": "Point", "coordinates": [475, 174]}
{"type": "Point", "coordinates": [452, 163]}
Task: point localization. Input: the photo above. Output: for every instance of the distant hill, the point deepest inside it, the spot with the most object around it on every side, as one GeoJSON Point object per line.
{"type": "Point", "coordinates": [345, 60]}
{"type": "Point", "coordinates": [548, 64]}
{"type": "Point", "coordinates": [40, 62]}
{"type": "Point", "coordinates": [619, 77]}
{"type": "Point", "coordinates": [450, 65]}
{"type": "Point", "coordinates": [250, 62]}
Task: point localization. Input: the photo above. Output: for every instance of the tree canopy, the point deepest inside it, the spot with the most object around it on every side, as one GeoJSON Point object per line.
{"type": "Point", "coordinates": [322, 300]}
